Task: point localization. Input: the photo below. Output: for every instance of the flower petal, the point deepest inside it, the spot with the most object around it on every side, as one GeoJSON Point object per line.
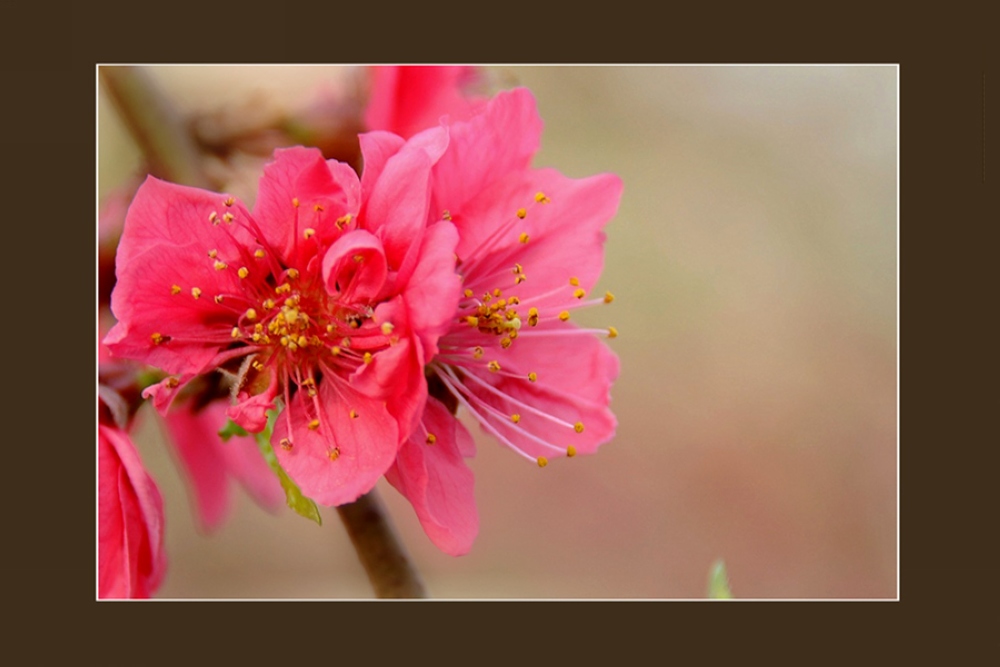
{"type": "Point", "coordinates": [345, 456]}
{"type": "Point", "coordinates": [437, 482]}
{"type": "Point", "coordinates": [406, 99]}
{"type": "Point", "coordinates": [355, 267]}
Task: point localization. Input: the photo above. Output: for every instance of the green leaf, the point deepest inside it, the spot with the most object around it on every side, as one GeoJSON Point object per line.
{"type": "Point", "coordinates": [303, 505]}
{"type": "Point", "coordinates": [231, 429]}
{"type": "Point", "coordinates": [718, 582]}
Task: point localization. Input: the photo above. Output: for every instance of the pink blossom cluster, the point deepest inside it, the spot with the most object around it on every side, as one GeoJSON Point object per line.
{"type": "Point", "coordinates": [366, 310]}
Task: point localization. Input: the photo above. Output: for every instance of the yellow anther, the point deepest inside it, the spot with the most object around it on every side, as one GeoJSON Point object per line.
{"type": "Point", "coordinates": [431, 438]}
{"type": "Point", "coordinates": [259, 328]}
{"type": "Point", "coordinates": [235, 333]}
{"type": "Point", "coordinates": [196, 292]}
{"type": "Point", "coordinates": [608, 297]}
{"type": "Point", "coordinates": [219, 298]}
{"type": "Point", "coordinates": [446, 214]}
{"type": "Point", "coordinates": [354, 414]}
{"type": "Point", "coordinates": [542, 461]}
{"type": "Point", "coordinates": [513, 301]}
{"type": "Point", "coordinates": [293, 274]}
{"type": "Point", "coordinates": [494, 366]}
{"type": "Point", "coordinates": [612, 332]}
{"type": "Point", "coordinates": [284, 341]}
{"type": "Point", "coordinates": [335, 350]}
{"type": "Point", "coordinates": [292, 346]}
{"type": "Point", "coordinates": [334, 454]}
{"type": "Point", "coordinates": [517, 269]}
{"type": "Point", "coordinates": [574, 281]}
{"type": "Point", "coordinates": [571, 451]}
{"type": "Point", "coordinates": [229, 202]}
{"type": "Point", "coordinates": [520, 279]}
{"type": "Point", "coordinates": [532, 377]}
{"type": "Point", "coordinates": [285, 444]}
{"type": "Point", "coordinates": [578, 427]}
{"type": "Point", "coordinates": [243, 272]}
{"type": "Point", "coordinates": [268, 304]}
{"type": "Point", "coordinates": [308, 232]}
{"type": "Point", "coordinates": [175, 289]}
{"type": "Point", "coordinates": [505, 342]}
{"type": "Point", "coordinates": [318, 207]}
{"type": "Point", "coordinates": [477, 352]}
{"type": "Point", "coordinates": [564, 315]}
{"type": "Point", "coordinates": [257, 365]}
{"type": "Point", "coordinates": [358, 258]}
{"type": "Point", "coordinates": [487, 297]}
{"type": "Point", "coordinates": [532, 312]}
{"type": "Point", "coordinates": [367, 357]}
{"type": "Point", "coordinates": [228, 217]}
{"type": "Point", "coordinates": [343, 220]}
{"type": "Point", "coordinates": [521, 213]}
{"type": "Point", "coordinates": [523, 238]}
{"type": "Point", "coordinates": [313, 425]}
{"type": "Point", "coordinates": [219, 266]}
{"type": "Point", "coordinates": [213, 217]}
{"type": "Point", "coordinates": [256, 337]}
{"type": "Point", "coordinates": [156, 337]}
{"type": "Point", "coordinates": [472, 320]}
{"type": "Point", "coordinates": [173, 382]}
{"type": "Point", "coordinates": [513, 332]}
{"type": "Point", "coordinates": [295, 202]}
{"type": "Point", "coordinates": [497, 292]}
{"type": "Point", "coordinates": [579, 293]}
{"type": "Point", "coordinates": [251, 314]}
{"type": "Point", "coordinates": [516, 418]}
{"type": "Point", "coordinates": [212, 254]}
{"type": "Point", "coordinates": [283, 289]}
{"type": "Point", "coordinates": [387, 328]}
{"type": "Point", "coordinates": [302, 341]}
{"type": "Point", "coordinates": [259, 253]}
{"type": "Point", "coordinates": [468, 293]}
{"type": "Point", "coordinates": [541, 198]}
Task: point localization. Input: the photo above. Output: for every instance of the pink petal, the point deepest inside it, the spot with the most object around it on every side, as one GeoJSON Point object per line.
{"type": "Point", "coordinates": [500, 140]}
{"type": "Point", "coordinates": [163, 256]}
{"type": "Point", "coordinates": [131, 559]}
{"type": "Point", "coordinates": [355, 266]}
{"type": "Point", "coordinates": [434, 288]}
{"type": "Point", "coordinates": [208, 462]}
{"type": "Point", "coordinates": [407, 99]}
{"type": "Point", "coordinates": [437, 482]}
{"type": "Point", "coordinates": [343, 458]}
{"type": "Point", "coordinates": [574, 377]}
{"type": "Point", "coordinates": [325, 191]}
{"type": "Point", "coordinates": [250, 411]}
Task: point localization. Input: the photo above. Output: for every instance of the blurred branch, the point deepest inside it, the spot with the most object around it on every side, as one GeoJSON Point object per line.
{"type": "Point", "coordinates": [382, 555]}
{"type": "Point", "coordinates": [155, 125]}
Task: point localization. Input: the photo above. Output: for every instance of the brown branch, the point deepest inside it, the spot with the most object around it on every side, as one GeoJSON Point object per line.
{"type": "Point", "coordinates": [157, 128]}
{"type": "Point", "coordinates": [381, 553]}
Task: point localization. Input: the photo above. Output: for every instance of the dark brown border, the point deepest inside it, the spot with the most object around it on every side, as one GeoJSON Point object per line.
{"type": "Point", "coordinates": [948, 385]}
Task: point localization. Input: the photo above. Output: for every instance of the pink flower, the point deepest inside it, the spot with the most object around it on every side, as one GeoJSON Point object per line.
{"type": "Point", "coordinates": [130, 556]}
{"type": "Point", "coordinates": [406, 99]}
{"type": "Point", "coordinates": [330, 297]}
{"type": "Point", "coordinates": [530, 250]}
{"type": "Point", "coordinates": [209, 464]}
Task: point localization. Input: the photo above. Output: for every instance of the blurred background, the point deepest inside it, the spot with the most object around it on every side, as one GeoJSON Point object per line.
{"type": "Point", "coordinates": [753, 261]}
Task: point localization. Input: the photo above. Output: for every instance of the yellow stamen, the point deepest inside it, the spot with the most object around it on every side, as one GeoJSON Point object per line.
{"type": "Point", "coordinates": [334, 454]}
{"type": "Point", "coordinates": [156, 337]}
{"type": "Point", "coordinates": [532, 377]}
{"type": "Point", "coordinates": [196, 292]}
{"type": "Point", "coordinates": [302, 341]}
{"type": "Point", "coordinates": [564, 315]}
{"type": "Point", "coordinates": [292, 274]}
{"type": "Point", "coordinates": [578, 427]}
{"type": "Point", "coordinates": [387, 328]}
{"type": "Point", "coordinates": [212, 254]}
{"type": "Point", "coordinates": [219, 298]}
{"type": "Point", "coordinates": [541, 198]}
{"type": "Point", "coordinates": [472, 320]}
{"type": "Point", "coordinates": [368, 357]}
{"type": "Point", "coordinates": [228, 217]}
{"type": "Point", "coordinates": [285, 444]}
{"type": "Point", "coordinates": [494, 366]}
{"type": "Point", "coordinates": [574, 281]}
{"type": "Point", "coordinates": [213, 217]}
{"type": "Point", "coordinates": [318, 207]}
{"type": "Point", "coordinates": [354, 414]}
{"type": "Point", "coordinates": [313, 425]}
{"type": "Point", "coordinates": [446, 214]}
{"type": "Point", "coordinates": [259, 253]}
{"type": "Point", "coordinates": [295, 202]}
{"type": "Point", "coordinates": [571, 451]}
{"type": "Point", "coordinates": [579, 293]}
{"type": "Point", "coordinates": [229, 202]}
{"type": "Point", "coordinates": [431, 438]}
{"type": "Point", "coordinates": [335, 350]}
{"type": "Point", "coordinates": [468, 293]}
{"type": "Point", "coordinates": [251, 314]}
{"type": "Point", "coordinates": [235, 333]}
{"type": "Point", "coordinates": [175, 289]}
{"type": "Point", "coordinates": [516, 418]}
{"type": "Point", "coordinates": [268, 304]}
{"type": "Point", "coordinates": [308, 232]}
{"type": "Point", "coordinates": [521, 213]}
{"type": "Point", "coordinates": [219, 266]}
{"type": "Point", "coordinates": [542, 461]}
{"type": "Point", "coordinates": [477, 352]}
{"type": "Point", "coordinates": [608, 297]}
{"type": "Point", "coordinates": [612, 332]}
{"type": "Point", "coordinates": [243, 272]}
{"type": "Point", "coordinates": [523, 238]}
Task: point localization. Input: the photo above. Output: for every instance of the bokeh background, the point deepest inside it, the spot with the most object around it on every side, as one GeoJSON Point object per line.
{"type": "Point", "coordinates": [754, 260]}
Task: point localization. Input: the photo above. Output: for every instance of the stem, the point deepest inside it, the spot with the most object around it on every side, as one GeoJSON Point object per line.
{"type": "Point", "coordinates": [155, 125]}
{"type": "Point", "coordinates": [382, 555]}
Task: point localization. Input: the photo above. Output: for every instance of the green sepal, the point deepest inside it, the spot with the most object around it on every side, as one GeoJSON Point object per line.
{"type": "Point", "coordinates": [718, 582]}
{"type": "Point", "coordinates": [230, 429]}
{"type": "Point", "coordinates": [303, 505]}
